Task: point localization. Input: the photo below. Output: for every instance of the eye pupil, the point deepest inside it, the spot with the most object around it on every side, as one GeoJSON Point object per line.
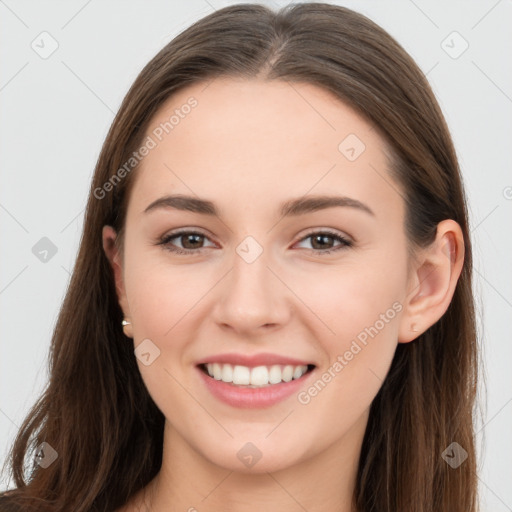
{"type": "Point", "coordinates": [191, 242]}
{"type": "Point", "coordinates": [187, 237]}
{"type": "Point", "coordinates": [322, 240]}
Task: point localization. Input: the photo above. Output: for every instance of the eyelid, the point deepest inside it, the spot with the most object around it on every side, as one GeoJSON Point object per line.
{"type": "Point", "coordinates": [194, 230]}
{"type": "Point", "coordinates": [185, 231]}
{"type": "Point", "coordinates": [330, 231]}
{"type": "Point", "coordinates": [347, 240]}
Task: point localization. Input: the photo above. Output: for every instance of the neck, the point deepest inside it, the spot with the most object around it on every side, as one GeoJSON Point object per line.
{"type": "Point", "coordinates": [325, 482]}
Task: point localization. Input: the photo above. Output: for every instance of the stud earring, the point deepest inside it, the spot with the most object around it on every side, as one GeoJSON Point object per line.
{"type": "Point", "coordinates": [127, 328]}
{"type": "Point", "coordinates": [413, 328]}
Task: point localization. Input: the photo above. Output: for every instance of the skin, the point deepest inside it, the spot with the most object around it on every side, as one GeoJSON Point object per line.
{"type": "Point", "coordinates": [248, 146]}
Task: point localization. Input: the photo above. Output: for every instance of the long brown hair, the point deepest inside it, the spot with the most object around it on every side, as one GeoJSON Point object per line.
{"type": "Point", "coordinates": [96, 412]}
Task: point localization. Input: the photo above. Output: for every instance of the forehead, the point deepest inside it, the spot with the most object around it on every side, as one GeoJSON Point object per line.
{"type": "Point", "coordinates": [234, 140]}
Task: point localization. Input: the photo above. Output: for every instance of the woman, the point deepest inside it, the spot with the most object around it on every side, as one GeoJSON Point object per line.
{"type": "Point", "coordinates": [316, 350]}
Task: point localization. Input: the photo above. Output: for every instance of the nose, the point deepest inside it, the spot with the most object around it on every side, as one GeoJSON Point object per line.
{"type": "Point", "coordinates": [251, 298]}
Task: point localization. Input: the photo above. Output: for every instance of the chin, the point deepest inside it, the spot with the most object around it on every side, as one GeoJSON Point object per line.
{"type": "Point", "coordinates": [256, 457]}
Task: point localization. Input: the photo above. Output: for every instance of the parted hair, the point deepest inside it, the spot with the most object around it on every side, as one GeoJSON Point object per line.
{"type": "Point", "coordinates": [96, 412]}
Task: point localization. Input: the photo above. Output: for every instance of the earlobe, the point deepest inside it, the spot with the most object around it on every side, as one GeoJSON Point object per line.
{"type": "Point", "coordinates": [433, 281]}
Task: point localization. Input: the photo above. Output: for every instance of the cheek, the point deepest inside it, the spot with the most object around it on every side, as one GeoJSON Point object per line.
{"type": "Point", "coordinates": [360, 308]}
{"type": "Point", "coordinates": [161, 296]}
{"type": "Point", "coordinates": [352, 298]}
{"type": "Point", "coordinates": [163, 300]}
{"type": "Point", "coordinates": [363, 312]}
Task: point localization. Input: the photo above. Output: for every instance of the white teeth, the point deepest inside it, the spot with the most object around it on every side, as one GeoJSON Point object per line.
{"type": "Point", "coordinates": [241, 375]}
{"type": "Point", "coordinates": [259, 376]}
{"type": "Point", "coordinates": [217, 371]}
{"type": "Point", "coordinates": [297, 372]}
{"type": "Point", "coordinates": [288, 372]}
{"type": "Point", "coordinates": [275, 374]}
{"type": "Point", "coordinates": [255, 377]}
{"type": "Point", "coordinates": [227, 373]}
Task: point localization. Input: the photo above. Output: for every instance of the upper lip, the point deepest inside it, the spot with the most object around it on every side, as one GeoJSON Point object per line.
{"type": "Point", "coordinates": [264, 359]}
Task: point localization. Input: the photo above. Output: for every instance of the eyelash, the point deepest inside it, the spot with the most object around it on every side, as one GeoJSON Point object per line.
{"type": "Point", "coordinates": [165, 242]}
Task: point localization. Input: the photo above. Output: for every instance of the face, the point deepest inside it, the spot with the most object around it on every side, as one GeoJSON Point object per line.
{"type": "Point", "coordinates": [318, 288]}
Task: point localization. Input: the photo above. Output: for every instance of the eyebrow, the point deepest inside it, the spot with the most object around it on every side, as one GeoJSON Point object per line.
{"type": "Point", "coordinates": [289, 208]}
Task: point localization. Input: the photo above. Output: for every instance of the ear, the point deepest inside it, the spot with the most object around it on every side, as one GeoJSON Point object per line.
{"type": "Point", "coordinates": [432, 281]}
{"type": "Point", "coordinates": [109, 237]}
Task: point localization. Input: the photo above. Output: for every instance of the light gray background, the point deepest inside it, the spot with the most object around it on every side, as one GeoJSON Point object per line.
{"type": "Point", "coordinates": [55, 113]}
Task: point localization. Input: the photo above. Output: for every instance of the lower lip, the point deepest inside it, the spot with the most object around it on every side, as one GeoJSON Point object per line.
{"type": "Point", "coordinates": [252, 398]}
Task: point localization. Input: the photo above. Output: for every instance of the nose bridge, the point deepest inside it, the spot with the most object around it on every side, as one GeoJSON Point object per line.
{"type": "Point", "coordinates": [251, 296]}
{"type": "Point", "coordinates": [250, 272]}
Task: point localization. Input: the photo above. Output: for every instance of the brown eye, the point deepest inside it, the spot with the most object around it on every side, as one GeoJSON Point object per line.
{"type": "Point", "coordinates": [190, 242]}
{"type": "Point", "coordinates": [322, 242]}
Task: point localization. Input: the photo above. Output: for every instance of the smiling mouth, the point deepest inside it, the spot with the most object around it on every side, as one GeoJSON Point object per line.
{"type": "Point", "coordinates": [257, 376]}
